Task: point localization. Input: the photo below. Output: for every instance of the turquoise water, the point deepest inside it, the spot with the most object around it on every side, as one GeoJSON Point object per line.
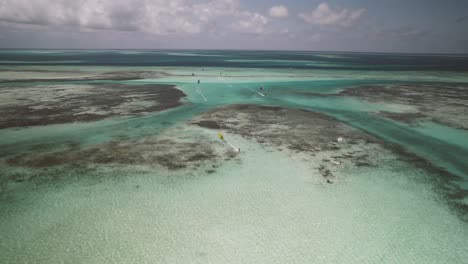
{"type": "Point", "coordinates": [267, 206]}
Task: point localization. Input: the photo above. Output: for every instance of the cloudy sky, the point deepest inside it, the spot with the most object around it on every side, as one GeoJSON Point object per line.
{"type": "Point", "coordinates": [429, 26]}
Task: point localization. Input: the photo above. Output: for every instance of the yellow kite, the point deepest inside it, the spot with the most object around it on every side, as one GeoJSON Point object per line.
{"type": "Point", "coordinates": [220, 136]}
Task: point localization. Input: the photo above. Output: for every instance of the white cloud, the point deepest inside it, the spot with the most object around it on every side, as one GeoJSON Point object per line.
{"type": "Point", "coordinates": [249, 23]}
{"type": "Point", "coordinates": [278, 11]}
{"type": "Point", "coordinates": [207, 11]}
{"type": "Point", "coordinates": [324, 15]}
{"type": "Point", "coordinates": [152, 16]}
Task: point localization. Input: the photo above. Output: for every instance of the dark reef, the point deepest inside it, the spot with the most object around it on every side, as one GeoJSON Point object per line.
{"type": "Point", "coordinates": [94, 102]}
{"type": "Point", "coordinates": [294, 129]}
{"type": "Point", "coordinates": [83, 76]}
{"type": "Point", "coordinates": [442, 103]}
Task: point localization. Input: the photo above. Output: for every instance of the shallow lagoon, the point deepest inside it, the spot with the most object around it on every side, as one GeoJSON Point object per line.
{"type": "Point", "coordinates": [265, 204]}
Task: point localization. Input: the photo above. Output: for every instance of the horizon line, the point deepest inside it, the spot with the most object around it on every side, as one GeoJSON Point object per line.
{"type": "Point", "coordinates": [289, 50]}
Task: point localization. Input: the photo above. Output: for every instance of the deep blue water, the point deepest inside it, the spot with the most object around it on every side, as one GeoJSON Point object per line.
{"type": "Point", "coordinates": [231, 58]}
